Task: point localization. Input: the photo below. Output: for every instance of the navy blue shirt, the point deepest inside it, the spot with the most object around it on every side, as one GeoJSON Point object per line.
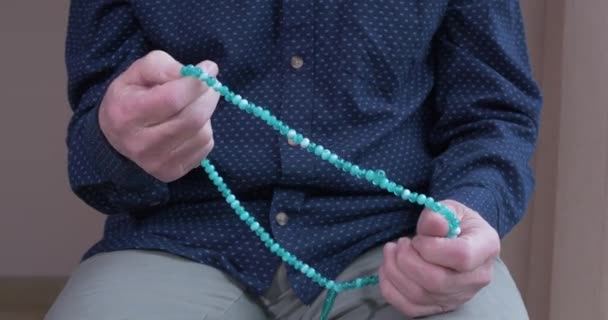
{"type": "Point", "coordinates": [439, 94]}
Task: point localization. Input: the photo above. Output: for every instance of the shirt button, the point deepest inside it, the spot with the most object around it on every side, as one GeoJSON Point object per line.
{"type": "Point", "coordinates": [282, 218]}
{"type": "Point", "coordinates": [297, 62]}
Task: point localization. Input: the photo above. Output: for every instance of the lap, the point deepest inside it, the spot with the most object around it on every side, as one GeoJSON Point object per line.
{"type": "Point", "coordinates": [150, 285]}
{"type": "Point", "coordinates": [500, 300]}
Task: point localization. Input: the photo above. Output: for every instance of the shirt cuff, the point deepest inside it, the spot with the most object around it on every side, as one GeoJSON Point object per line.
{"type": "Point", "coordinates": [133, 186]}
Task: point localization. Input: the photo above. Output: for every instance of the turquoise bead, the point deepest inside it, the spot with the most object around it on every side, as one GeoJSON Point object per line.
{"type": "Point", "coordinates": [347, 166]}
{"type": "Point", "coordinates": [284, 130]}
{"type": "Point", "coordinates": [210, 81]}
{"type": "Point", "coordinates": [244, 216]}
{"type": "Point", "coordinates": [311, 272]}
{"type": "Point", "coordinates": [235, 204]}
{"type": "Point", "coordinates": [354, 170]}
{"type": "Point", "coordinates": [304, 268]}
{"type": "Point", "coordinates": [421, 199]}
{"type": "Point", "coordinates": [254, 226]}
{"type": "Point", "coordinates": [359, 283]}
{"type": "Point", "coordinates": [330, 285]}
{"type": "Point", "coordinates": [325, 155]}
{"type": "Point", "coordinates": [291, 134]}
{"type": "Point", "coordinates": [224, 90]}
{"type": "Point", "coordinates": [319, 150]}
{"type": "Point", "coordinates": [237, 99]}
{"type": "Point", "coordinates": [265, 236]}
{"type": "Point", "coordinates": [274, 247]}
{"type": "Point", "coordinates": [398, 190]}
{"type": "Point", "coordinates": [298, 138]}
{"type": "Point", "coordinates": [298, 264]}
{"type": "Point", "coordinates": [370, 175]}
{"type": "Point", "coordinates": [333, 158]}
{"type": "Point", "coordinates": [384, 183]}
{"type": "Point", "coordinates": [231, 199]}
{"type": "Point", "coordinates": [391, 187]}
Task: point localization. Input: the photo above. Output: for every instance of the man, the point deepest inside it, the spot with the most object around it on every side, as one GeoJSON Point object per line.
{"type": "Point", "coordinates": [439, 94]}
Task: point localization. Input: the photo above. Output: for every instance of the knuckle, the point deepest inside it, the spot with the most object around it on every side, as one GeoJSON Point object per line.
{"type": "Point", "coordinates": [156, 55]}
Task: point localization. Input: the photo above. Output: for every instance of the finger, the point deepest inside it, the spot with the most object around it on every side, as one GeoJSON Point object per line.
{"type": "Point", "coordinates": [400, 280]}
{"type": "Point", "coordinates": [432, 224]}
{"type": "Point", "coordinates": [190, 154]}
{"type": "Point", "coordinates": [165, 101]}
{"type": "Point", "coordinates": [433, 278]}
{"type": "Point", "coordinates": [401, 303]}
{"type": "Point", "coordinates": [476, 244]}
{"type": "Point", "coordinates": [155, 68]}
{"type": "Point", "coordinates": [189, 121]}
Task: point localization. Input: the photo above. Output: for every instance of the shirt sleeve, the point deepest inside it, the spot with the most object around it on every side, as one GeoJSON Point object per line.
{"type": "Point", "coordinates": [486, 108]}
{"type": "Point", "coordinates": [103, 40]}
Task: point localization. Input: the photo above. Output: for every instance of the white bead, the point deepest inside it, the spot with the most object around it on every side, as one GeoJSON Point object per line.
{"type": "Point", "coordinates": [304, 143]}
{"type": "Point", "coordinates": [291, 134]}
{"type": "Point", "coordinates": [457, 231]}
{"type": "Point", "coordinates": [405, 194]}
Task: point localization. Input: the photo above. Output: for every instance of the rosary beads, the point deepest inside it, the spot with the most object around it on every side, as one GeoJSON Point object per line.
{"type": "Point", "coordinates": [376, 177]}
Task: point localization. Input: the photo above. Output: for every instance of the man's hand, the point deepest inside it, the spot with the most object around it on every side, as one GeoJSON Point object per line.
{"type": "Point", "coordinates": [159, 119]}
{"type": "Point", "coordinates": [431, 274]}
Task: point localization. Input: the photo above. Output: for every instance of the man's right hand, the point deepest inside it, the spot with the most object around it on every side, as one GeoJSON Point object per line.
{"type": "Point", "coordinates": [159, 119]}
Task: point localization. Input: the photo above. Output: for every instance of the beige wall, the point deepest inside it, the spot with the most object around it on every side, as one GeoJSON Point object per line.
{"type": "Point", "coordinates": [44, 228]}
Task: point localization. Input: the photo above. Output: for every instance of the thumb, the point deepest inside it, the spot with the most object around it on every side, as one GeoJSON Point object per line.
{"type": "Point", "coordinates": [432, 224]}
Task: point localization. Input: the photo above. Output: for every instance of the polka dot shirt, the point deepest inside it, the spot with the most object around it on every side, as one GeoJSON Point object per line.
{"type": "Point", "coordinates": [438, 94]}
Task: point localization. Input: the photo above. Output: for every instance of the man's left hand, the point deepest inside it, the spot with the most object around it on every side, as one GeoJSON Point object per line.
{"type": "Point", "coordinates": [429, 273]}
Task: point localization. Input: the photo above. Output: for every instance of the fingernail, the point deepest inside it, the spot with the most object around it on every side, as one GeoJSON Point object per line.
{"type": "Point", "coordinates": [209, 67]}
